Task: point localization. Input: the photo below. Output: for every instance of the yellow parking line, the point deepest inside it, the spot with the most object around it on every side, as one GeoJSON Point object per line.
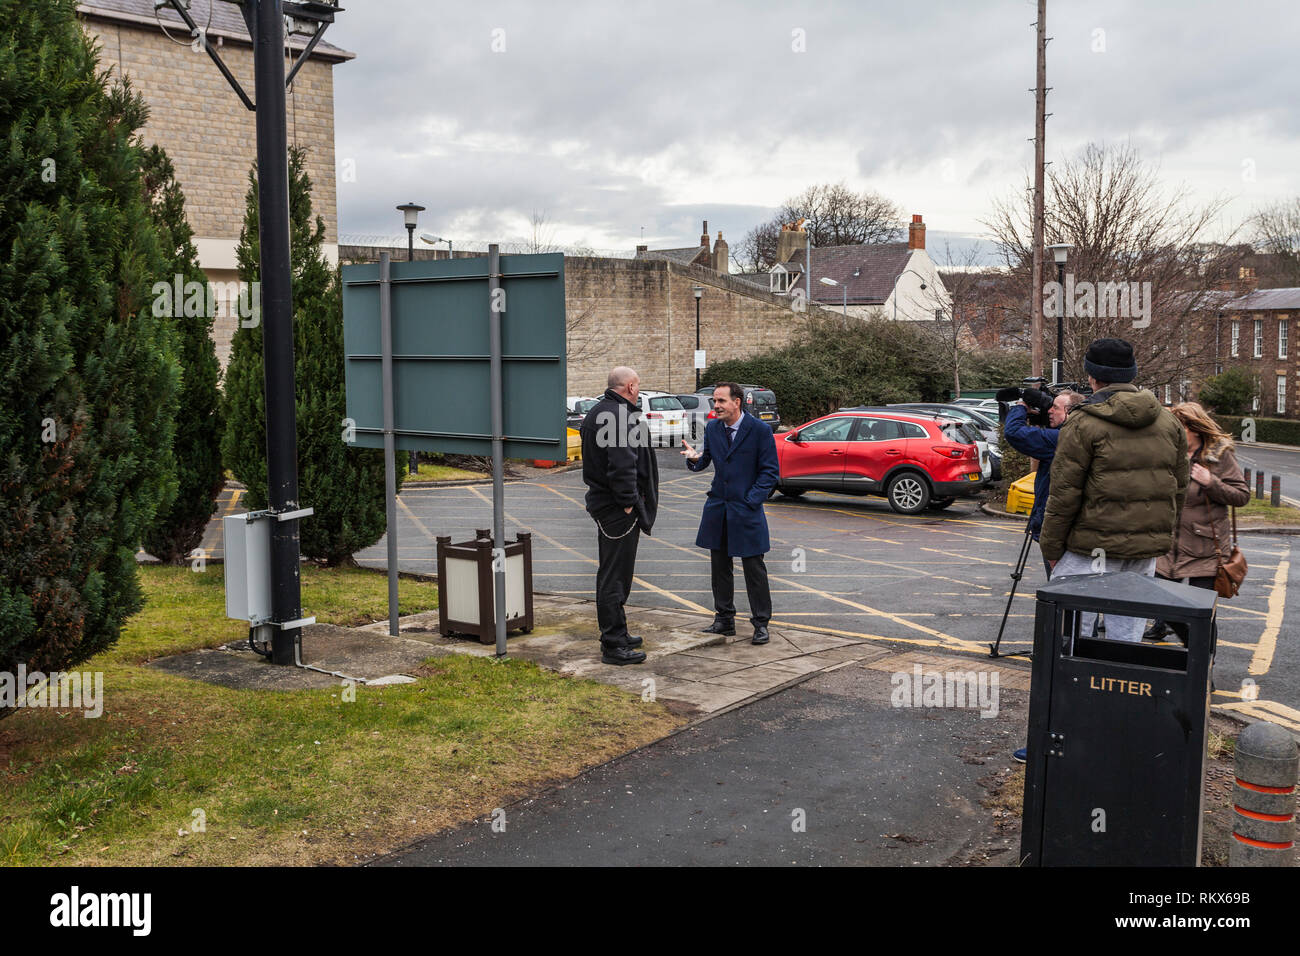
{"type": "Point", "coordinates": [947, 639]}
{"type": "Point", "coordinates": [636, 580]}
{"type": "Point", "coordinates": [966, 557]}
{"type": "Point", "coordinates": [1262, 659]}
{"type": "Point", "coordinates": [1260, 709]}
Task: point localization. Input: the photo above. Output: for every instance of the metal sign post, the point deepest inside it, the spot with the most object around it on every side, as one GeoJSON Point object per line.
{"type": "Point", "coordinates": [496, 306]}
{"type": "Point", "coordinates": [390, 470]}
{"type": "Point", "coordinates": [420, 358]}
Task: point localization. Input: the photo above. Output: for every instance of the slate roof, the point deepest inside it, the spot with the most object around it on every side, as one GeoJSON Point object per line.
{"type": "Point", "coordinates": [227, 21]}
{"type": "Point", "coordinates": [877, 264]}
{"type": "Point", "coordinates": [684, 256]}
{"type": "Point", "coordinates": [1264, 299]}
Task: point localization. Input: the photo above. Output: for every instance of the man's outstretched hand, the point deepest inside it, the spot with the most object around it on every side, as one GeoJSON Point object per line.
{"type": "Point", "coordinates": [688, 452]}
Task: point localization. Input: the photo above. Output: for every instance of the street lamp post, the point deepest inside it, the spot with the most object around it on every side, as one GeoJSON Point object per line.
{"type": "Point", "coordinates": [410, 212]}
{"type": "Point", "coordinates": [844, 289]}
{"type": "Point", "coordinates": [894, 294]}
{"type": "Point", "coordinates": [1060, 251]}
{"type": "Point", "coordinates": [431, 239]}
{"type": "Point", "coordinates": [699, 293]}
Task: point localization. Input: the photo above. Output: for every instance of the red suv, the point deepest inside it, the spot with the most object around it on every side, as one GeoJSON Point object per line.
{"type": "Point", "coordinates": [916, 461]}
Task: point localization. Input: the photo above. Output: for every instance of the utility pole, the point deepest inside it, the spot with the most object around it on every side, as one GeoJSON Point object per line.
{"type": "Point", "coordinates": [265, 21]}
{"type": "Point", "coordinates": [1040, 129]}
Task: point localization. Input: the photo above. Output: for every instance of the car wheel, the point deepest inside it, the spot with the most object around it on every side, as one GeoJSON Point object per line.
{"type": "Point", "coordinates": [938, 504]}
{"type": "Point", "coordinates": [908, 493]}
{"type": "Point", "coordinates": [791, 492]}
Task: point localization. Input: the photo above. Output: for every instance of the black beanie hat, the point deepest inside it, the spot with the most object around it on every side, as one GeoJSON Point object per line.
{"type": "Point", "coordinates": [1110, 361]}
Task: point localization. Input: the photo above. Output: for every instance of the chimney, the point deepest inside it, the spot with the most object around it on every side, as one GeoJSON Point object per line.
{"type": "Point", "coordinates": [721, 256]}
{"type": "Point", "coordinates": [791, 240]}
{"type": "Point", "coordinates": [704, 237]}
{"type": "Point", "coordinates": [641, 250]}
{"type": "Point", "coordinates": [916, 234]}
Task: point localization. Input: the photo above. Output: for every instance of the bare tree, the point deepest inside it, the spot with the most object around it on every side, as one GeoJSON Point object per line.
{"type": "Point", "coordinates": [1137, 269]}
{"type": "Point", "coordinates": [834, 216]}
{"type": "Point", "coordinates": [1276, 230]}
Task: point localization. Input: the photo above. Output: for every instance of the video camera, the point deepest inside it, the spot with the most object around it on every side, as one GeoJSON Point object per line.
{"type": "Point", "coordinates": [1037, 395]}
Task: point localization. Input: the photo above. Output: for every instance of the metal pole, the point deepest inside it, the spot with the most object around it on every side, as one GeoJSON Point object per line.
{"type": "Point", "coordinates": [1040, 131]}
{"type": "Point", "coordinates": [697, 341]}
{"type": "Point", "coordinates": [1060, 325]}
{"type": "Point", "coordinates": [277, 317]}
{"type": "Point", "coordinates": [498, 447]}
{"type": "Point", "coordinates": [390, 441]}
{"type": "Point", "coordinates": [413, 466]}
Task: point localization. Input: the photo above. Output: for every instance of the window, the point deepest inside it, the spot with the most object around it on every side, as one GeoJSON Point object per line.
{"type": "Point", "coordinates": [828, 429]}
{"type": "Point", "coordinates": [913, 430]}
{"type": "Point", "coordinates": [1259, 338]}
{"type": "Point", "coordinates": [1169, 394]}
{"type": "Point", "coordinates": [689, 401]}
{"type": "Point", "coordinates": [1281, 394]}
{"type": "Point", "coordinates": [666, 403]}
{"type": "Point", "coordinates": [1281, 338]}
{"type": "Point", "coordinates": [1236, 339]}
{"type": "Point", "coordinates": [876, 429]}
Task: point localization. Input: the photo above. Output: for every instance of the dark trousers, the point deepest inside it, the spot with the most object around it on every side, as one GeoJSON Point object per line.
{"type": "Point", "coordinates": [617, 556]}
{"type": "Point", "coordinates": [724, 585]}
{"type": "Point", "coordinates": [1179, 628]}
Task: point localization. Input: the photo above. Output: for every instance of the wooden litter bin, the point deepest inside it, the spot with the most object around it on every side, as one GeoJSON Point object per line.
{"type": "Point", "coordinates": [466, 596]}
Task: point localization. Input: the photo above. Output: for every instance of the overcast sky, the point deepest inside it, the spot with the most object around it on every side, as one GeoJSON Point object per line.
{"type": "Point", "coordinates": [610, 118]}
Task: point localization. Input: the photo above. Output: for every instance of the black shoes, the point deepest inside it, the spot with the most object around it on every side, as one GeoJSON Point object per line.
{"type": "Point", "coordinates": [720, 627]}
{"type": "Point", "coordinates": [621, 655]}
{"type": "Point", "coordinates": [760, 634]}
{"type": "Point", "coordinates": [1158, 631]}
{"type": "Point", "coordinates": [633, 641]}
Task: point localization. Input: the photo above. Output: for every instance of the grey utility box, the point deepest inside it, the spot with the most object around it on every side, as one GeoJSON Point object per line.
{"type": "Point", "coordinates": [1117, 730]}
{"type": "Point", "coordinates": [248, 566]}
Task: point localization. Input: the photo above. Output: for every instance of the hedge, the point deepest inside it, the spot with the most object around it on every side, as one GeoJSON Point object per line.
{"type": "Point", "coordinates": [1280, 431]}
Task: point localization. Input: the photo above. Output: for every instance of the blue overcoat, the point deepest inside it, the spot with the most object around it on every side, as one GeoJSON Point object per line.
{"type": "Point", "coordinates": [744, 474]}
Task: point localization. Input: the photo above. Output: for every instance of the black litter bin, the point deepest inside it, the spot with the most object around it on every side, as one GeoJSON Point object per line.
{"type": "Point", "coordinates": [1117, 730]}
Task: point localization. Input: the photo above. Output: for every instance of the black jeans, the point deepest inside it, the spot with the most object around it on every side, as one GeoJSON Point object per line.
{"type": "Point", "coordinates": [1179, 628]}
{"type": "Point", "coordinates": [724, 585]}
{"type": "Point", "coordinates": [618, 537]}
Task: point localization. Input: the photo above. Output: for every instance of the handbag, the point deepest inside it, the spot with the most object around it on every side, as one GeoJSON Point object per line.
{"type": "Point", "coordinates": [1230, 573]}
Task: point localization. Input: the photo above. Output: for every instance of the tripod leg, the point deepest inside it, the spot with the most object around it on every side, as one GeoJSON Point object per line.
{"type": "Point", "coordinates": [1015, 580]}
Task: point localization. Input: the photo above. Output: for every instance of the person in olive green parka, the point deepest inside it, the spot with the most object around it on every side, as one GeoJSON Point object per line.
{"type": "Point", "coordinates": [1119, 479]}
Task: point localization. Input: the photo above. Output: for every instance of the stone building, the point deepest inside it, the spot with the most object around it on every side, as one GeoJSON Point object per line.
{"type": "Point", "coordinates": [208, 133]}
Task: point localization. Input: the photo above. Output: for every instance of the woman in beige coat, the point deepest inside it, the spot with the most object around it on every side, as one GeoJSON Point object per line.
{"type": "Point", "coordinates": [1216, 485]}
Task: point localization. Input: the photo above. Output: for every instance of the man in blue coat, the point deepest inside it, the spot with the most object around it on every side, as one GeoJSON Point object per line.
{"type": "Point", "coordinates": [1039, 443]}
{"type": "Point", "coordinates": [745, 470]}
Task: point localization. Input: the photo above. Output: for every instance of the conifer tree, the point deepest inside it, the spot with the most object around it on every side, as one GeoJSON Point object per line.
{"type": "Point", "coordinates": [197, 447]}
{"type": "Point", "coordinates": [88, 375]}
{"type": "Point", "coordinates": [344, 484]}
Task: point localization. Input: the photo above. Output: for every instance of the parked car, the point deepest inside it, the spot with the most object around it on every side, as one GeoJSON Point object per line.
{"type": "Point", "coordinates": [759, 402]}
{"type": "Point", "coordinates": [914, 460]}
{"type": "Point", "coordinates": [987, 425]}
{"type": "Point", "coordinates": [576, 409]}
{"type": "Point", "coordinates": [987, 405]}
{"type": "Point", "coordinates": [698, 409]}
{"type": "Point", "coordinates": [664, 417]}
{"type": "Point", "coordinates": [990, 453]}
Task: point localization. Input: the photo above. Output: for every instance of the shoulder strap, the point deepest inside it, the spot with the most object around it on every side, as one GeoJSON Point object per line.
{"type": "Point", "coordinates": [1234, 527]}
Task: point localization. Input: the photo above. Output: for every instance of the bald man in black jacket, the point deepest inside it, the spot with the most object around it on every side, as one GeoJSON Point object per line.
{"type": "Point", "coordinates": [622, 476]}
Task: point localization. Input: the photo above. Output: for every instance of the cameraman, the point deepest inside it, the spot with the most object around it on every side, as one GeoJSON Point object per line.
{"type": "Point", "coordinates": [1039, 443]}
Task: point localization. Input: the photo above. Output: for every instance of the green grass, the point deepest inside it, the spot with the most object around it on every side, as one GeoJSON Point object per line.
{"type": "Point", "coordinates": [289, 777]}
{"type": "Point", "coordinates": [1261, 512]}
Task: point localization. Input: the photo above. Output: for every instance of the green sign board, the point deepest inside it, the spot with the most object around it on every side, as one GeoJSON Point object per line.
{"type": "Point", "coordinates": [441, 355]}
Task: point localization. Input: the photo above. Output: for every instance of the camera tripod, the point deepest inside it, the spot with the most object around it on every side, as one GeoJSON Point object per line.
{"type": "Point", "coordinates": [1016, 575]}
